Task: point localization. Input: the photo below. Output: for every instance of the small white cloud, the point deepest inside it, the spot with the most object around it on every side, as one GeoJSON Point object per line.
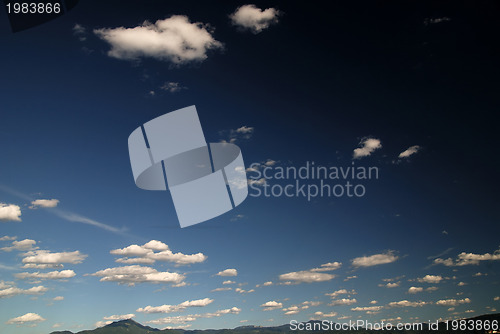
{"type": "Point", "coordinates": [343, 301]}
{"type": "Point", "coordinates": [137, 274]}
{"type": "Point", "coordinates": [28, 318]}
{"type": "Point", "coordinates": [44, 203]}
{"type": "Point", "coordinates": [22, 245]}
{"type": "Point", "coordinates": [58, 298]}
{"type": "Point", "coordinates": [436, 20]}
{"type": "Point", "coordinates": [326, 315]}
{"type": "Point", "coordinates": [10, 212]}
{"type": "Point", "coordinates": [373, 260]}
{"type": "Point", "coordinates": [7, 238]}
{"type": "Point", "coordinates": [452, 302]}
{"type": "Point", "coordinates": [117, 317]}
{"type": "Point", "coordinates": [8, 290]}
{"type": "Point", "coordinates": [464, 259]}
{"type": "Point", "coordinates": [415, 289]}
{"type": "Point", "coordinates": [368, 146]}
{"type": "Point", "coordinates": [328, 267]}
{"type": "Point", "coordinates": [174, 39]}
{"type": "Point", "coordinates": [430, 279]}
{"type": "Point", "coordinates": [228, 282]}
{"type": "Point", "coordinates": [172, 87]}
{"type": "Point", "coordinates": [406, 303]}
{"type": "Point", "coordinates": [271, 305]}
{"type": "Point", "coordinates": [175, 308]}
{"type": "Point", "coordinates": [221, 289]}
{"type": "Point", "coordinates": [55, 259]}
{"type": "Point", "coordinates": [409, 151]}
{"type": "Point", "coordinates": [64, 274]}
{"type": "Point", "coordinates": [249, 17]}
{"type": "Point", "coordinates": [367, 309]}
{"type": "Point", "coordinates": [306, 276]}
{"type": "Point", "coordinates": [228, 272]}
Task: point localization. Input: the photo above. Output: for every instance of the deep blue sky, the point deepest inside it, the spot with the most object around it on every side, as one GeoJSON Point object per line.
{"type": "Point", "coordinates": [313, 86]}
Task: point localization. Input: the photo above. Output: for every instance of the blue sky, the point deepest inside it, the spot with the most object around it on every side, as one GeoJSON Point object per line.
{"type": "Point", "coordinates": [408, 90]}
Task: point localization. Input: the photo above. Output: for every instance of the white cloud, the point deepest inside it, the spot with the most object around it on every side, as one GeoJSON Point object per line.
{"type": "Point", "coordinates": [221, 289]}
{"type": "Point", "coordinates": [243, 132]}
{"type": "Point", "coordinates": [373, 302]}
{"type": "Point", "coordinates": [229, 282]}
{"type": "Point", "coordinates": [291, 310]}
{"type": "Point", "coordinates": [340, 292]}
{"type": "Point", "coordinates": [48, 258]}
{"type": "Point", "coordinates": [464, 259]}
{"type": "Point", "coordinates": [156, 245]}
{"type": "Point", "coordinates": [328, 267]}
{"type": "Point", "coordinates": [175, 308]}
{"type": "Point", "coordinates": [64, 274]}
{"type": "Point", "coordinates": [102, 323]}
{"type": "Point", "coordinates": [430, 279]}
{"type": "Point", "coordinates": [145, 254]}
{"type": "Point", "coordinates": [137, 274]}
{"type": "Point", "coordinates": [44, 203]}
{"type": "Point", "coordinates": [368, 146]}
{"type": "Point", "coordinates": [23, 245]}
{"type": "Point", "coordinates": [271, 305]}
{"type": "Point", "coordinates": [182, 319]}
{"type": "Point", "coordinates": [58, 298]}
{"type": "Point", "coordinates": [306, 276]}
{"type": "Point", "coordinates": [367, 308]}
{"type": "Point", "coordinates": [228, 272]}
{"type": "Point", "coordinates": [326, 315]}
{"type": "Point", "coordinates": [373, 260]}
{"type": "Point", "coordinates": [415, 289]}
{"type": "Point", "coordinates": [462, 284]}
{"type": "Point", "coordinates": [343, 301]}
{"type": "Point", "coordinates": [174, 39]}
{"type": "Point", "coordinates": [117, 317]}
{"type": "Point", "coordinates": [7, 238]}
{"type": "Point", "coordinates": [452, 302]}
{"type": "Point", "coordinates": [10, 212]}
{"type": "Point", "coordinates": [9, 289]}
{"type": "Point", "coordinates": [249, 17]}
{"type": "Point", "coordinates": [172, 87]}
{"type": "Point", "coordinates": [390, 285]}
{"type": "Point", "coordinates": [239, 290]}
{"type": "Point", "coordinates": [28, 318]}
{"type": "Point", "coordinates": [409, 151]}
{"type": "Point", "coordinates": [406, 303]}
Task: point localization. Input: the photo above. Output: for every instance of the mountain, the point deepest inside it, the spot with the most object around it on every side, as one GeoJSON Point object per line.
{"type": "Point", "coordinates": [132, 327]}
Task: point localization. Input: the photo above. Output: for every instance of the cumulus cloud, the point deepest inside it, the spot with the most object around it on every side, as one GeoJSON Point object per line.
{"type": "Point", "coordinates": [406, 303]}
{"type": "Point", "coordinates": [28, 318]}
{"type": "Point", "coordinates": [174, 39]}
{"type": "Point", "coordinates": [23, 245]}
{"type": "Point", "coordinates": [373, 260]}
{"type": "Point", "coordinates": [415, 289]}
{"type": "Point", "coordinates": [9, 289]}
{"type": "Point", "coordinates": [10, 212]}
{"type": "Point", "coordinates": [175, 308]}
{"type": "Point", "coordinates": [328, 267]}
{"type": "Point", "coordinates": [430, 279]}
{"type": "Point", "coordinates": [64, 274]}
{"type": "Point", "coordinates": [7, 238]}
{"type": "Point", "coordinates": [233, 135]}
{"type": "Point", "coordinates": [138, 274]}
{"type": "Point", "coordinates": [271, 305]}
{"type": "Point", "coordinates": [464, 259]}
{"type": "Point", "coordinates": [146, 254]}
{"type": "Point", "coordinates": [452, 302]}
{"type": "Point", "coordinates": [409, 151]}
{"type": "Point", "coordinates": [44, 203]}
{"type": "Point", "coordinates": [182, 319]}
{"type": "Point", "coordinates": [368, 146]}
{"type": "Point", "coordinates": [249, 17]}
{"type": "Point", "coordinates": [117, 317]}
{"type": "Point", "coordinates": [306, 276]}
{"type": "Point", "coordinates": [229, 282]}
{"type": "Point", "coordinates": [45, 257]}
{"type": "Point", "coordinates": [340, 292]}
{"type": "Point", "coordinates": [390, 285]}
{"type": "Point", "coordinates": [343, 301]}
{"type": "Point", "coordinates": [367, 308]}
{"type": "Point", "coordinates": [228, 272]}
{"type": "Point", "coordinates": [58, 298]}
